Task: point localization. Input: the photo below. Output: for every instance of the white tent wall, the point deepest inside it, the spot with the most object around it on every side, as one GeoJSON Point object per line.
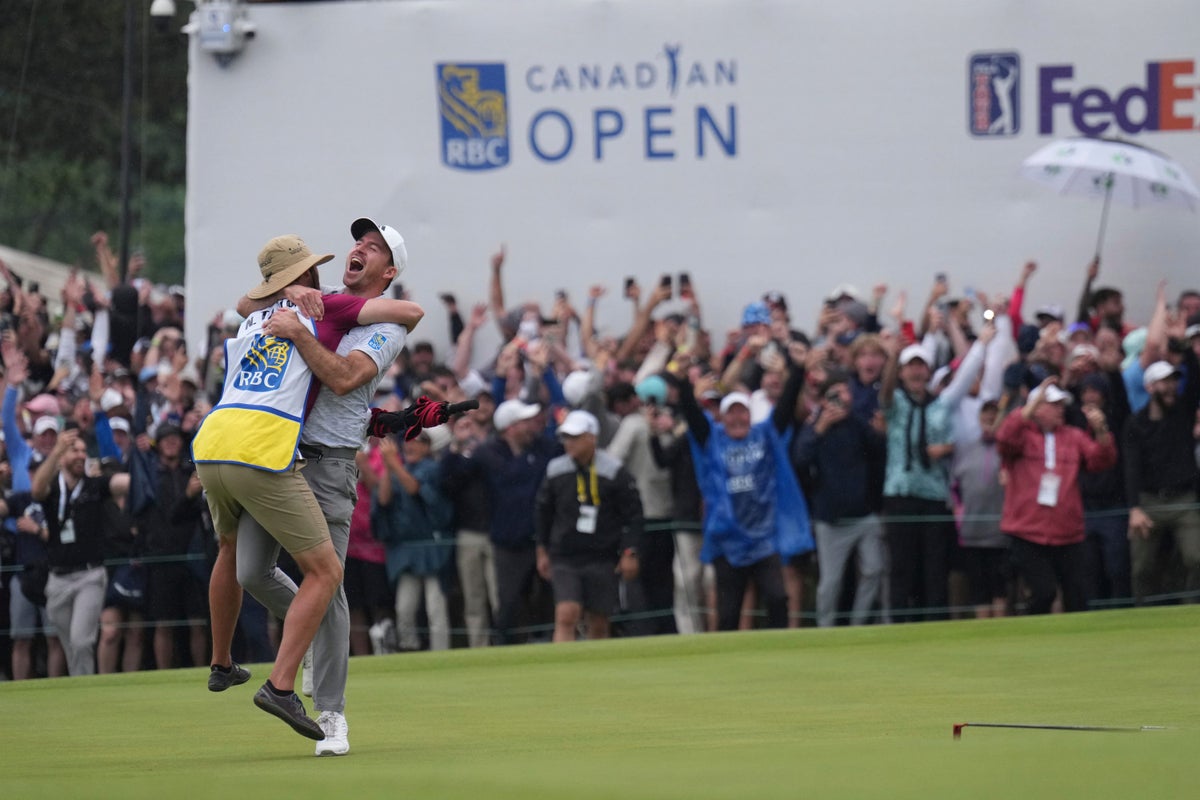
{"type": "Point", "coordinates": [836, 147]}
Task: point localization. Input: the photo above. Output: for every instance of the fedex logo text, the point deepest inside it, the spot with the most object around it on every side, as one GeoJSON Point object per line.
{"type": "Point", "coordinates": [1155, 106]}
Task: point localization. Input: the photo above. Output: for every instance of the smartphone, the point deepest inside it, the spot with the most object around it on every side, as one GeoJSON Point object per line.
{"type": "Point", "coordinates": [940, 277]}
{"type": "Point", "coordinates": [665, 282]}
{"type": "Point", "coordinates": [685, 285]}
{"type": "Point", "coordinates": [34, 287]}
{"type": "Point", "coordinates": [629, 283]}
{"type": "Point", "coordinates": [447, 298]}
{"type": "Point", "coordinates": [560, 294]}
{"type": "Point", "coordinates": [398, 291]}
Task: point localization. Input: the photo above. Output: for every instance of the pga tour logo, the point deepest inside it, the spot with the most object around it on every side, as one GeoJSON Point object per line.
{"type": "Point", "coordinates": [994, 94]}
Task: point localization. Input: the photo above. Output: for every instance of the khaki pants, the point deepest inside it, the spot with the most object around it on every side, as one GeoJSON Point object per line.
{"type": "Point", "coordinates": [281, 502]}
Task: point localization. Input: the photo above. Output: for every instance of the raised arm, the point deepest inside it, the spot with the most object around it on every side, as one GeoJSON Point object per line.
{"type": "Point", "coordinates": [587, 325]}
{"type": "Point", "coordinates": [641, 322]}
{"type": "Point", "coordinates": [496, 290]}
{"type": "Point", "coordinates": [466, 341]}
{"type": "Point", "coordinates": [404, 313]}
{"type": "Point", "coordinates": [49, 467]}
{"type": "Point", "coordinates": [785, 408]}
{"type": "Point", "coordinates": [306, 298]}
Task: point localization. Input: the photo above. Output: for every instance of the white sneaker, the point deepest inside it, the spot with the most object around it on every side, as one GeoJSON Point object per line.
{"type": "Point", "coordinates": [383, 637]}
{"type": "Point", "coordinates": [376, 634]}
{"type": "Point", "coordinates": [306, 673]}
{"type": "Point", "coordinates": [337, 734]}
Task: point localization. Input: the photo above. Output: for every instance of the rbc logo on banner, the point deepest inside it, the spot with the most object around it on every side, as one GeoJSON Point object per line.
{"type": "Point", "coordinates": [263, 366]}
{"type": "Point", "coordinates": [473, 104]}
{"type": "Point", "coordinates": [994, 94]}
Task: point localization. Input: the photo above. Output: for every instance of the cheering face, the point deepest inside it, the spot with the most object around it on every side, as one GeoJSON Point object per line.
{"type": "Point", "coordinates": [914, 376]}
{"type": "Point", "coordinates": [75, 459]}
{"type": "Point", "coordinates": [369, 263]}
{"type": "Point", "coordinates": [580, 448]}
{"type": "Point", "coordinates": [1049, 416]}
{"type": "Point", "coordinates": [1166, 391]}
{"type": "Point", "coordinates": [869, 365]}
{"type": "Point", "coordinates": [737, 421]}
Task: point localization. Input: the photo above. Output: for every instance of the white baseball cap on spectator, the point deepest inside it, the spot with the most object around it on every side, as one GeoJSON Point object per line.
{"type": "Point", "coordinates": [473, 384]}
{"type": "Point", "coordinates": [44, 424]}
{"type": "Point", "coordinates": [1053, 311]}
{"type": "Point", "coordinates": [733, 399]}
{"type": "Point", "coordinates": [119, 424]}
{"type": "Point", "coordinates": [1052, 393]}
{"type": "Point", "coordinates": [576, 387]}
{"type": "Point", "coordinates": [511, 411]}
{"type": "Point", "coordinates": [364, 225]}
{"type": "Point", "coordinates": [110, 400]}
{"type": "Point", "coordinates": [1085, 351]}
{"type": "Point", "coordinates": [1192, 330]}
{"type": "Point", "coordinates": [1159, 371]}
{"type": "Point", "coordinates": [578, 423]}
{"type": "Point", "coordinates": [915, 351]}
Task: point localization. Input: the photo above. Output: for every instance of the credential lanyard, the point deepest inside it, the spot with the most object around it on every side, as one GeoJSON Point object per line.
{"type": "Point", "coordinates": [591, 492]}
{"type": "Point", "coordinates": [62, 497]}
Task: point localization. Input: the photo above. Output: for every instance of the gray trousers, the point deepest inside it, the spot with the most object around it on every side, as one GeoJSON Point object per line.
{"type": "Point", "coordinates": [835, 546]}
{"type": "Point", "coordinates": [477, 578]}
{"type": "Point", "coordinates": [73, 604]}
{"type": "Point", "coordinates": [334, 482]}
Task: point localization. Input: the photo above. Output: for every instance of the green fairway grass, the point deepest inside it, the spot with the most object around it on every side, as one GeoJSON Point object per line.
{"type": "Point", "coordinates": [852, 713]}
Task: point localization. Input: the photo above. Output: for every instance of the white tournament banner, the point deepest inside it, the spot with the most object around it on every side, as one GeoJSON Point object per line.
{"type": "Point", "coordinates": [756, 144]}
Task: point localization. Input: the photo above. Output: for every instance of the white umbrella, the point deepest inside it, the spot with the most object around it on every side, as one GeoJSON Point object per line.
{"type": "Point", "coordinates": [1110, 169]}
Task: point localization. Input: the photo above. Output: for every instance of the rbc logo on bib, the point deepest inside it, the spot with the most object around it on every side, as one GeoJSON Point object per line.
{"type": "Point", "coordinates": [263, 366]}
{"type": "Point", "coordinates": [473, 106]}
{"type": "Point", "coordinates": [994, 94]}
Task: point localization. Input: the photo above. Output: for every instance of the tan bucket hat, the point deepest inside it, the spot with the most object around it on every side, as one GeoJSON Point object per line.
{"type": "Point", "coordinates": [281, 261]}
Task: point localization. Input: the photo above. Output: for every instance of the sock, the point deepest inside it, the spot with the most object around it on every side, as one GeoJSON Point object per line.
{"type": "Point", "coordinates": [276, 692]}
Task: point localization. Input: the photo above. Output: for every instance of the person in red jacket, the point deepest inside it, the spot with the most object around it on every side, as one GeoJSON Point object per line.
{"type": "Point", "coordinates": [1043, 507]}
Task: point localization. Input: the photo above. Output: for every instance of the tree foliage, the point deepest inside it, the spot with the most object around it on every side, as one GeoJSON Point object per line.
{"type": "Point", "coordinates": [61, 65]}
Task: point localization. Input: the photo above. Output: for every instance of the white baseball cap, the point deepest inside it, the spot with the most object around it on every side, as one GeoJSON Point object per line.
{"type": "Point", "coordinates": [578, 423]}
{"type": "Point", "coordinates": [511, 411]}
{"type": "Point", "coordinates": [734, 398]}
{"type": "Point", "coordinates": [1053, 394]}
{"type": "Point", "coordinates": [1159, 371]}
{"type": "Point", "coordinates": [119, 424]}
{"type": "Point", "coordinates": [914, 351]}
{"type": "Point", "coordinates": [364, 225]}
{"type": "Point", "coordinates": [44, 424]}
{"type": "Point", "coordinates": [577, 386]}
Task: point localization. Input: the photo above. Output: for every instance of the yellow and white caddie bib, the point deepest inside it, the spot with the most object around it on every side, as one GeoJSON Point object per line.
{"type": "Point", "coordinates": [258, 420]}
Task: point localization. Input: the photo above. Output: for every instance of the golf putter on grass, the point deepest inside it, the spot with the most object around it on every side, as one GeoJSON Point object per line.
{"type": "Point", "coordinates": [1104, 728]}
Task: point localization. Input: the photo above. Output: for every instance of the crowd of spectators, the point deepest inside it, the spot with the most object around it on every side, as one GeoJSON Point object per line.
{"type": "Point", "coordinates": [964, 457]}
